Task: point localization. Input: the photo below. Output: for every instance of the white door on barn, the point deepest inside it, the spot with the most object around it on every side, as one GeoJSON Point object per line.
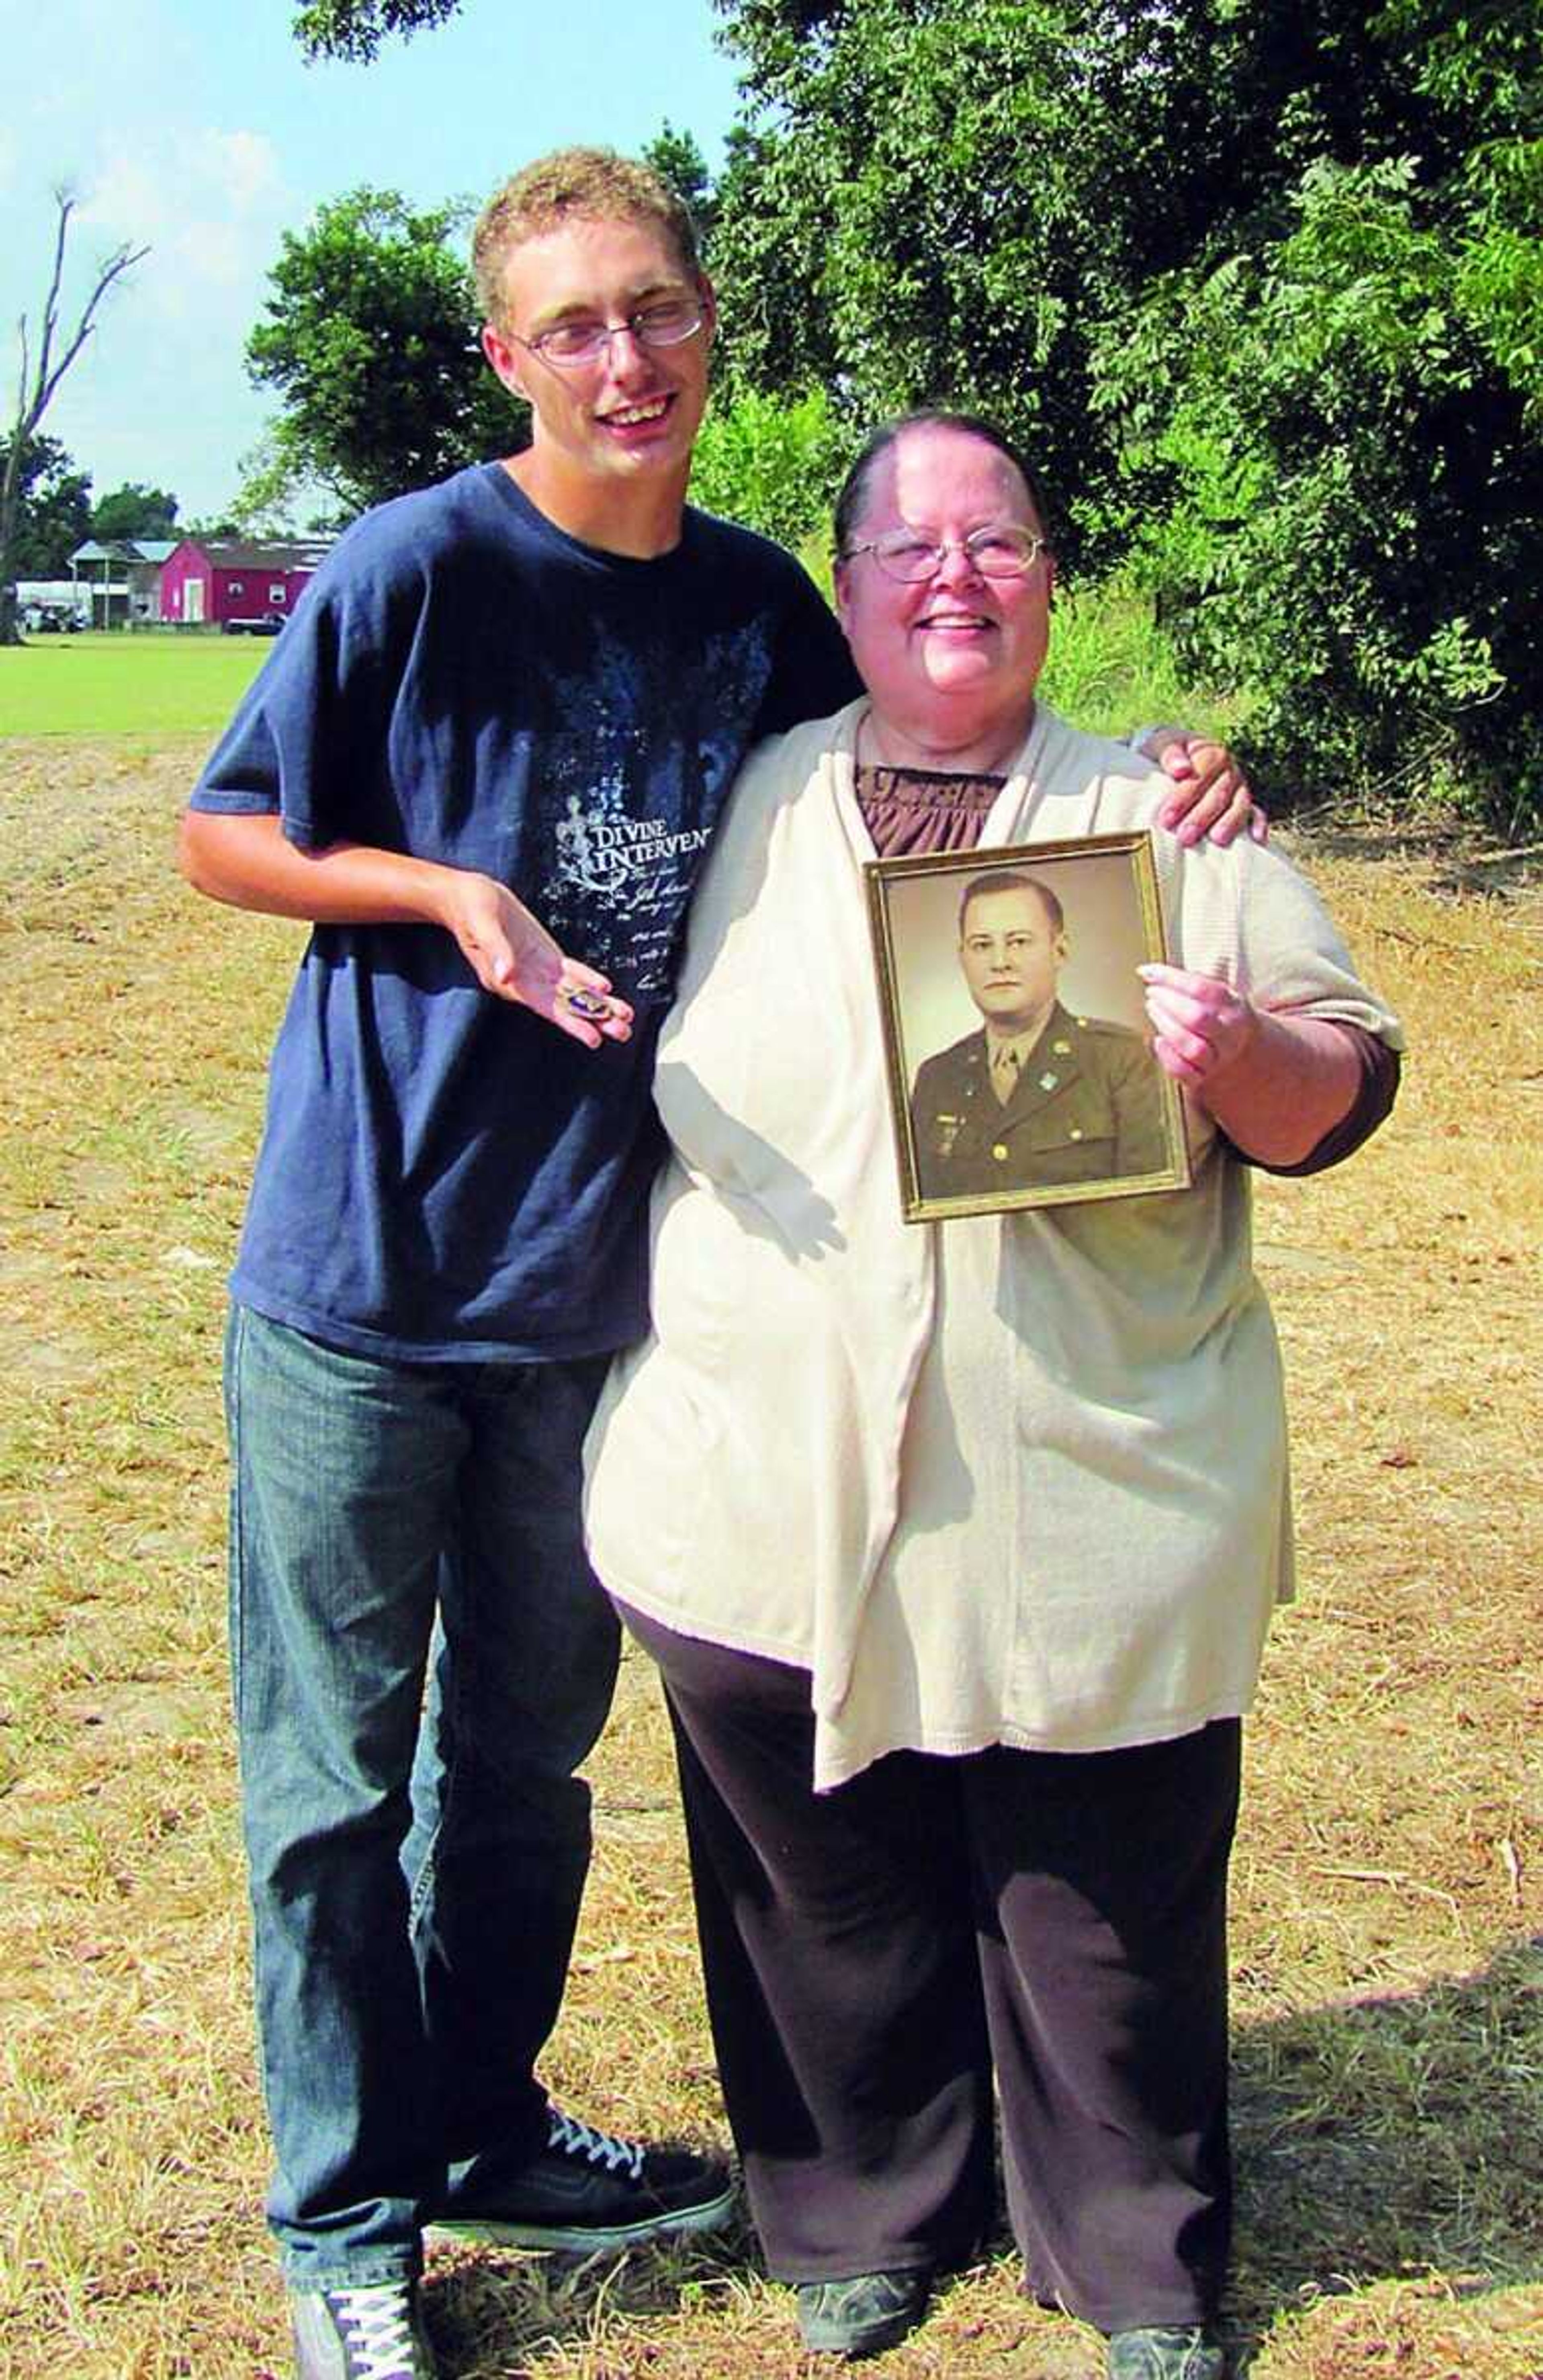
{"type": "Point", "coordinates": [192, 600]}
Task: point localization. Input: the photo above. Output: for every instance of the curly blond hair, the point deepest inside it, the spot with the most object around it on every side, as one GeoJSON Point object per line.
{"type": "Point", "coordinates": [594, 184]}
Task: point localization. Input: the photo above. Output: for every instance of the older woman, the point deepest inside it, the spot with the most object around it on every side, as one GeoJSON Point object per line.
{"type": "Point", "coordinates": [956, 1545]}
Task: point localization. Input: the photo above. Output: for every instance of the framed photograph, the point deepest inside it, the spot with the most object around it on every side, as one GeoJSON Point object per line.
{"type": "Point", "coordinates": [1014, 1028]}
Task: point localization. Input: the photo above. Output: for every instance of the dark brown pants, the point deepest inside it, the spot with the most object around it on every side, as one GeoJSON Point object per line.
{"type": "Point", "coordinates": [874, 1953]}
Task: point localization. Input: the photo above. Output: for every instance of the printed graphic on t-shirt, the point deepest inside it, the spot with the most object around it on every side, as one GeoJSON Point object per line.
{"type": "Point", "coordinates": [639, 871]}
{"type": "Point", "coordinates": [632, 808]}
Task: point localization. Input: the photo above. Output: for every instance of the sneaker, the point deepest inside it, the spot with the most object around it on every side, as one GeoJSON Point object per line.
{"type": "Point", "coordinates": [586, 2190]}
{"type": "Point", "coordinates": [1192, 2353]}
{"type": "Point", "coordinates": [862, 2315]}
{"type": "Point", "coordinates": [373, 2333]}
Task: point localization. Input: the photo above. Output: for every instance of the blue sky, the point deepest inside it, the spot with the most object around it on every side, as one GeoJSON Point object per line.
{"type": "Point", "coordinates": [198, 129]}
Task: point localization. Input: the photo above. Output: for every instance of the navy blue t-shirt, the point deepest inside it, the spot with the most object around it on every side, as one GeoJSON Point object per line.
{"type": "Point", "coordinates": [443, 1174]}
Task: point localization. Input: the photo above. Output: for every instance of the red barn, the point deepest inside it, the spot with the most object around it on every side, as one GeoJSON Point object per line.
{"type": "Point", "coordinates": [244, 586]}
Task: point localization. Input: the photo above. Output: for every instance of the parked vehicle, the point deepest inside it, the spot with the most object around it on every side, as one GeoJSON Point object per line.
{"type": "Point", "coordinates": [266, 623]}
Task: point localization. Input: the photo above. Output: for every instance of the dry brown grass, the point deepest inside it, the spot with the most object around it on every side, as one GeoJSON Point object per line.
{"type": "Point", "coordinates": [1389, 1993]}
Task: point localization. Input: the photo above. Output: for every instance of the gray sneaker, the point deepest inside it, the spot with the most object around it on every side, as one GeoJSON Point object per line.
{"type": "Point", "coordinates": [370, 2333]}
{"type": "Point", "coordinates": [1189, 2351]}
{"type": "Point", "coordinates": [864, 2314]}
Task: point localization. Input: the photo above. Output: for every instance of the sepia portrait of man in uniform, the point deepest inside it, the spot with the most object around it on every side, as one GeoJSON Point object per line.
{"type": "Point", "coordinates": [1038, 1096]}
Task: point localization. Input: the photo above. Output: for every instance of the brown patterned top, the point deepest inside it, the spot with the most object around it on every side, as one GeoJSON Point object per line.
{"type": "Point", "coordinates": [909, 810]}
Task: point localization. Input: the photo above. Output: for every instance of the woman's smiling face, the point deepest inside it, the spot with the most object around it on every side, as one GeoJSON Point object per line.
{"type": "Point", "coordinates": [958, 650]}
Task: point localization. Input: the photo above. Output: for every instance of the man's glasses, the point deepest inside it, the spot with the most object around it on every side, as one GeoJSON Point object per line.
{"type": "Point", "coordinates": [662, 322]}
{"type": "Point", "coordinates": [1006, 552]}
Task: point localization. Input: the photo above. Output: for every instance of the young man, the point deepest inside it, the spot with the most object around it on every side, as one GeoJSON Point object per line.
{"type": "Point", "coordinates": [485, 760]}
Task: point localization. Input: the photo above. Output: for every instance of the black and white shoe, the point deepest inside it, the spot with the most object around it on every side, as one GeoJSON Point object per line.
{"type": "Point", "coordinates": [586, 2190]}
{"type": "Point", "coordinates": [371, 2333]}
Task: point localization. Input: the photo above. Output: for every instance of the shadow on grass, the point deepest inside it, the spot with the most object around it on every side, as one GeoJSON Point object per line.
{"type": "Point", "coordinates": [1387, 2138]}
{"type": "Point", "coordinates": [504, 2312]}
{"type": "Point", "coordinates": [1377, 2140]}
{"type": "Point", "coordinates": [1461, 856]}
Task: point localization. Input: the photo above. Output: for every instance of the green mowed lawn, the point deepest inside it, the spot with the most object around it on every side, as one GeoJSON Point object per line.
{"type": "Point", "coordinates": [105, 684]}
{"type": "Point", "coordinates": [1110, 668]}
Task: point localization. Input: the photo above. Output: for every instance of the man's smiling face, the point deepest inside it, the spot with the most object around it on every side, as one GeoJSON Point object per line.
{"type": "Point", "coordinates": [632, 413]}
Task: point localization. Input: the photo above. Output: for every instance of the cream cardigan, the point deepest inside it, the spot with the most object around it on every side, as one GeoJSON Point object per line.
{"type": "Point", "coordinates": [1015, 1479]}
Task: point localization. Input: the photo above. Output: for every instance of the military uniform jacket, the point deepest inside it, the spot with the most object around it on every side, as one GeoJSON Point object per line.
{"type": "Point", "coordinates": [1014, 1478]}
{"type": "Point", "coordinates": [1087, 1107]}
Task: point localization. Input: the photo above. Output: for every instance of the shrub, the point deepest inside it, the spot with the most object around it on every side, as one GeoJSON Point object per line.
{"type": "Point", "coordinates": [1354, 521]}
{"type": "Point", "coordinates": [773, 463]}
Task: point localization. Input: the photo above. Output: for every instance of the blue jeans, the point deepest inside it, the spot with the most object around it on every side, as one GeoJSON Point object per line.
{"type": "Point", "coordinates": [416, 1865]}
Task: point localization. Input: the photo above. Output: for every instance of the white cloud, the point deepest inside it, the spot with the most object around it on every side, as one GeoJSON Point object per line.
{"type": "Point", "coordinates": [251, 166]}
{"type": "Point", "coordinates": [208, 203]}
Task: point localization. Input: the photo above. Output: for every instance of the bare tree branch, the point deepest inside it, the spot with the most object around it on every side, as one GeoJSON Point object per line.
{"type": "Point", "coordinates": [35, 387]}
{"type": "Point", "coordinates": [46, 381]}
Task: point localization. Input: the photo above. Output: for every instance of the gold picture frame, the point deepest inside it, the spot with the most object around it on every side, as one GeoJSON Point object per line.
{"type": "Point", "coordinates": [997, 1102]}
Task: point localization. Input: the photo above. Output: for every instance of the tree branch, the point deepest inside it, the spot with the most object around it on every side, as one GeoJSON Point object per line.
{"type": "Point", "coordinates": [35, 388]}
{"type": "Point", "coordinates": [32, 408]}
{"type": "Point", "coordinates": [354, 29]}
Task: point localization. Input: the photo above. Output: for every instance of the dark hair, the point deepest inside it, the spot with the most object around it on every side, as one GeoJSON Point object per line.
{"type": "Point", "coordinates": [1012, 879]}
{"type": "Point", "coordinates": [854, 488]}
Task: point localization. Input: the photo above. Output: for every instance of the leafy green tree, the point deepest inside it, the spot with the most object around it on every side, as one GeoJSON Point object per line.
{"type": "Point", "coordinates": [134, 511]}
{"type": "Point", "coordinates": [54, 509]}
{"type": "Point", "coordinates": [370, 339]}
{"type": "Point", "coordinates": [676, 158]}
{"type": "Point", "coordinates": [856, 246]}
{"type": "Point", "coordinates": [1353, 458]}
{"type": "Point", "coordinates": [935, 201]}
{"type": "Point", "coordinates": [1258, 284]}
{"type": "Point", "coordinates": [355, 28]}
